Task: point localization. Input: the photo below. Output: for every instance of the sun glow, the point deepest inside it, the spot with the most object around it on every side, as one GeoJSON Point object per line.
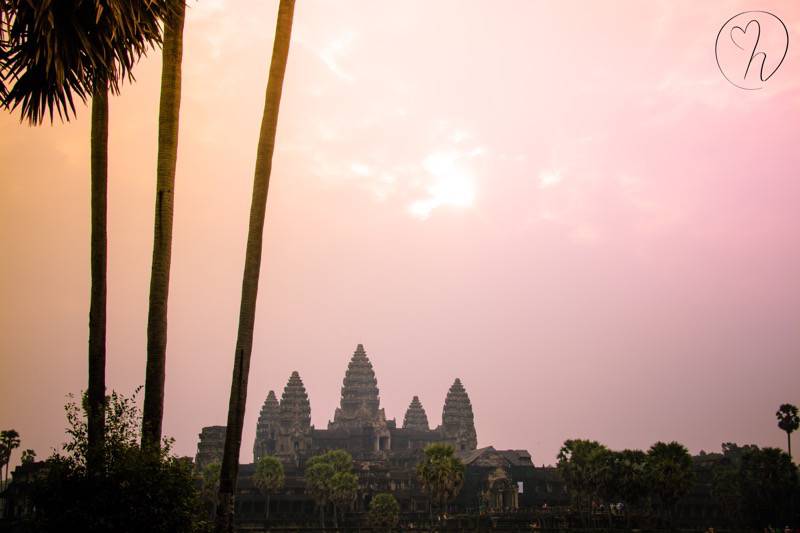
{"type": "Point", "coordinates": [452, 184]}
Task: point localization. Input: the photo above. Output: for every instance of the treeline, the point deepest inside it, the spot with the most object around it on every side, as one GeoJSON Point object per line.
{"type": "Point", "coordinates": [747, 485]}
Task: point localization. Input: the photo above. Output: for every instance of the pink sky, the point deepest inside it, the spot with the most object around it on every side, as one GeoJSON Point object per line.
{"type": "Point", "coordinates": [564, 204]}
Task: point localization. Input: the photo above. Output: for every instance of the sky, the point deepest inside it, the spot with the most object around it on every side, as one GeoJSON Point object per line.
{"type": "Point", "coordinates": [564, 204]}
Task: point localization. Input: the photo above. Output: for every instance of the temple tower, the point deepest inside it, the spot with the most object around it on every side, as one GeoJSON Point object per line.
{"type": "Point", "coordinates": [267, 428]}
{"type": "Point", "coordinates": [415, 416]}
{"type": "Point", "coordinates": [360, 403]}
{"type": "Point", "coordinates": [294, 418]}
{"type": "Point", "coordinates": [458, 423]}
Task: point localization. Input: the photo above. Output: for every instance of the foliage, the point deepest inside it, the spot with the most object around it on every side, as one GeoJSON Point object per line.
{"type": "Point", "coordinates": [344, 487]}
{"type": "Point", "coordinates": [583, 467]}
{"type": "Point", "coordinates": [28, 456]}
{"type": "Point", "coordinates": [53, 50]}
{"type": "Point", "coordinates": [9, 441]}
{"type": "Point", "coordinates": [384, 511]}
{"type": "Point", "coordinates": [669, 473]}
{"type": "Point", "coordinates": [268, 476]}
{"type": "Point", "coordinates": [329, 479]}
{"type": "Point", "coordinates": [136, 491]}
{"type": "Point", "coordinates": [755, 485]}
{"type": "Point", "coordinates": [788, 419]}
{"type": "Point", "coordinates": [209, 487]}
{"type": "Point", "coordinates": [441, 473]}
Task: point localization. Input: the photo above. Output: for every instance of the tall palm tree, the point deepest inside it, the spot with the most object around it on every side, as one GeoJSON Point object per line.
{"type": "Point", "coordinates": [52, 51]}
{"type": "Point", "coordinates": [252, 266]}
{"type": "Point", "coordinates": [9, 441]}
{"type": "Point", "coordinates": [789, 421]}
{"type": "Point", "coordinates": [268, 477]}
{"type": "Point", "coordinates": [168, 117]}
{"type": "Point", "coordinates": [441, 474]}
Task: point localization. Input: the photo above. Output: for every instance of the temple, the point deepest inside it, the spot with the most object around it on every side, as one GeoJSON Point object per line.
{"type": "Point", "coordinates": [385, 455]}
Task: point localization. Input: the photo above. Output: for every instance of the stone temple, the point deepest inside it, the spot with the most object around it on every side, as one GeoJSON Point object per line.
{"type": "Point", "coordinates": [359, 424]}
{"type": "Point", "coordinates": [385, 454]}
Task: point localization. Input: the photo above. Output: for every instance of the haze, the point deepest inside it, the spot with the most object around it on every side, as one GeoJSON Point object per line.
{"type": "Point", "coordinates": [565, 204]}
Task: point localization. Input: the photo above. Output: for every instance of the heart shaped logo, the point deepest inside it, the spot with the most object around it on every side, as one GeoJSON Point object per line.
{"type": "Point", "coordinates": [750, 48]}
{"type": "Point", "coordinates": [746, 39]}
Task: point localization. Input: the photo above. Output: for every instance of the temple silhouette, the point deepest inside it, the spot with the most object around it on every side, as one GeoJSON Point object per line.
{"type": "Point", "coordinates": [385, 455]}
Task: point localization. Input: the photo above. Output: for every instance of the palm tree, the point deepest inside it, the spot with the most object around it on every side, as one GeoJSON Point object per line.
{"type": "Point", "coordinates": [252, 266]}
{"type": "Point", "coordinates": [52, 51]}
{"type": "Point", "coordinates": [168, 117]}
{"type": "Point", "coordinates": [441, 474]}
{"type": "Point", "coordinates": [28, 456]}
{"type": "Point", "coordinates": [9, 441]}
{"type": "Point", "coordinates": [669, 473]}
{"type": "Point", "coordinates": [268, 477]}
{"type": "Point", "coordinates": [344, 488]}
{"type": "Point", "coordinates": [789, 421]}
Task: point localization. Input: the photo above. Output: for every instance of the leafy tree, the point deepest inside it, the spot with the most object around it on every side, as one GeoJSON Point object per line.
{"type": "Point", "coordinates": [28, 456]}
{"type": "Point", "coordinates": [583, 467]}
{"type": "Point", "coordinates": [252, 267]}
{"type": "Point", "coordinates": [384, 512]}
{"type": "Point", "coordinates": [326, 482]}
{"type": "Point", "coordinates": [441, 474]}
{"type": "Point", "coordinates": [168, 117]}
{"type": "Point", "coordinates": [9, 441]}
{"type": "Point", "coordinates": [788, 421]}
{"type": "Point", "coordinates": [268, 477]}
{"type": "Point", "coordinates": [629, 471]}
{"type": "Point", "coordinates": [138, 491]}
{"type": "Point", "coordinates": [344, 488]}
{"type": "Point", "coordinates": [755, 486]}
{"type": "Point", "coordinates": [209, 492]}
{"type": "Point", "coordinates": [669, 474]}
{"type": "Point", "coordinates": [52, 51]}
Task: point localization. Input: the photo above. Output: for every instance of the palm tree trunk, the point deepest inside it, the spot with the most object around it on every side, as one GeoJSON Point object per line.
{"type": "Point", "coordinates": [97, 308]}
{"type": "Point", "coordinates": [789, 445]}
{"type": "Point", "coordinates": [168, 118]}
{"type": "Point", "coordinates": [252, 267]}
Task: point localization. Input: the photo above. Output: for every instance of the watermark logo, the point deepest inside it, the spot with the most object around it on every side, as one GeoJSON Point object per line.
{"type": "Point", "coordinates": [751, 47]}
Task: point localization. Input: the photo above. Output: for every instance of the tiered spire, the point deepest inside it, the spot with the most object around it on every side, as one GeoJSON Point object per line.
{"type": "Point", "coordinates": [295, 409]}
{"type": "Point", "coordinates": [267, 426]}
{"type": "Point", "coordinates": [415, 416]}
{"type": "Point", "coordinates": [458, 422]}
{"type": "Point", "coordinates": [360, 403]}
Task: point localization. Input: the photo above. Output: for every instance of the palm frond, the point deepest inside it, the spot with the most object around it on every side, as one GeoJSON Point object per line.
{"type": "Point", "coordinates": [54, 50]}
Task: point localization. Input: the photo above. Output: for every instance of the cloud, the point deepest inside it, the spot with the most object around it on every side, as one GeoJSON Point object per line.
{"type": "Point", "coordinates": [451, 182]}
{"type": "Point", "coordinates": [332, 53]}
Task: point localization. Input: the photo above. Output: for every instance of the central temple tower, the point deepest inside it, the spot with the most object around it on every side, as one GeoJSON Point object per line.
{"type": "Point", "coordinates": [360, 403]}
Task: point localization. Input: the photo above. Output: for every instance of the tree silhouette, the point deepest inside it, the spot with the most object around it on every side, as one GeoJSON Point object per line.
{"type": "Point", "coordinates": [441, 474]}
{"type": "Point", "coordinates": [252, 268]}
{"type": "Point", "coordinates": [28, 456]}
{"type": "Point", "coordinates": [384, 512]}
{"type": "Point", "coordinates": [268, 477]}
{"type": "Point", "coordinates": [168, 118]}
{"type": "Point", "coordinates": [9, 441]}
{"type": "Point", "coordinates": [669, 474]}
{"type": "Point", "coordinates": [53, 51]}
{"type": "Point", "coordinates": [788, 421]}
{"type": "Point", "coordinates": [326, 482]}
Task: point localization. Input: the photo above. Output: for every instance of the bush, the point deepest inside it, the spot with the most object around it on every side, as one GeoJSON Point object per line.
{"type": "Point", "coordinates": [136, 491]}
{"type": "Point", "coordinates": [384, 512]}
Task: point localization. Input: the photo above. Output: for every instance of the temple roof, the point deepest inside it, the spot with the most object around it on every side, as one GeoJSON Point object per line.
{"type": "Point", "coordinates": [457, 406]}
{"type": "Point", "coordinates": [359, 380]}
{"type": "Point", "coordinates": [415, 416]}
{"type": "Point", "coordinates": [360, 403]}
{"type": "Point", "coordinates": [269, 410]}
{"type": "Point", "coordinates": [295, 407]}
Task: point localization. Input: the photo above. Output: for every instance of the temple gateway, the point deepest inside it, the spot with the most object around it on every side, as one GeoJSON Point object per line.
{"type": "Point", "coordinates": [385, 455]}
